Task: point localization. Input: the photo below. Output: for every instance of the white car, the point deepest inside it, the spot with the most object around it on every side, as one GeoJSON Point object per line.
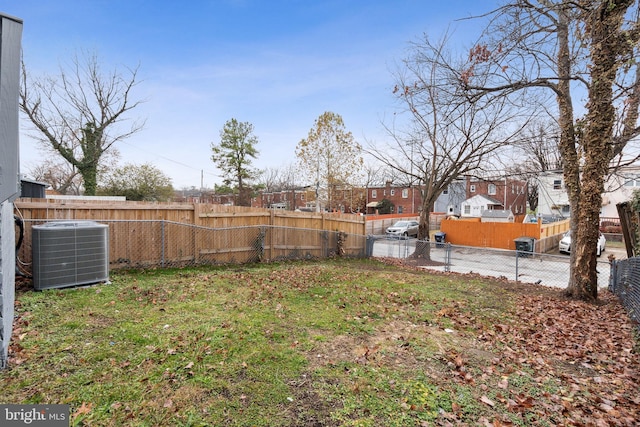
{"type": "Point", "coordinates": [404, 228]}
{"type": "Point", "coordinates": [565, 244]}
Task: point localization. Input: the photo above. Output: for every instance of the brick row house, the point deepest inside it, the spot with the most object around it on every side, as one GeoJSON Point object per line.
{"type": "Point", "coordinates": [293, 199]}
{"type": "Point", "coordinates": [500, 194]}
{"type": "Point", "coordinates": [404, 199]}
{"type": "Point", "coordinates": [506, 194]}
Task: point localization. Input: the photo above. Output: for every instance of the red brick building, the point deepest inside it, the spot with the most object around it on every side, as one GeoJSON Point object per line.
{"type": "Point", "coordinates": [511, 193]}
{"type": "Point", "coordinates": [405, 199]}
{"type": "Point", "coordinates": [204, 196]}
{"type": "Point", "coordinates": [285, 199]}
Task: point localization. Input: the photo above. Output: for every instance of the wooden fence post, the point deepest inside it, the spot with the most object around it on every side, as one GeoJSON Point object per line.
{"type": "Point", "coordinates": [272, 221]}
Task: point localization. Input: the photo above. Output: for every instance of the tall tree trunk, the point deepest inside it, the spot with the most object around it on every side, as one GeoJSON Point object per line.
{"type": "Point", "coordinates": [90, 179]}
{"type": "Point", "coordinates": [567, 144]}
{"type": "Point", "coordinates": [423, 248]}
{"type": "Point", "coordinates": [604, 24]}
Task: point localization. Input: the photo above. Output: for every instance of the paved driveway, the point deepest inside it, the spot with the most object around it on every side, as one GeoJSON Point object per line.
{"type": "Point", "coordinates": [545, 269]}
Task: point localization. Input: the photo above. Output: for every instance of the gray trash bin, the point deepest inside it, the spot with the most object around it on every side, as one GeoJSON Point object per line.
{"type": "Point", "coordinates": [369, 245]}
{"type": "Point", "coordinates": [524, 246]}
{"type": "Point", "coordinates": [440, 236]}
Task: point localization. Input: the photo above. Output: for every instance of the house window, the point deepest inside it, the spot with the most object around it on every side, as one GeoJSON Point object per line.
{"type": "Point", "coordinates": [384, 193]}
{"type": "Point", "coordinates": [392, 192]}
{"type": "Point", "coordinates": [472, 188]}
{"type": "Point", "coordinates": [467, 209]}
{"type": "Point", "coordinates": [374, 194]}
{"type": "Point", "coordinates": [557, 184]}
{"type": "Point", "coordinates": [400, 209]}
{"type": "Point", "coordinates": [492, 189]}
{"type": "Point", "coordinates": [302, 197]}
{"type": "Point", "coordinates": [405, 193]}
{"type": "Point", "coordinates": [445, 191]}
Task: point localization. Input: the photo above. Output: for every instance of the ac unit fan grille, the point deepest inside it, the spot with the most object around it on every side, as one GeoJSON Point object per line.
{"type": "Point", "coordinates": [70, 254]}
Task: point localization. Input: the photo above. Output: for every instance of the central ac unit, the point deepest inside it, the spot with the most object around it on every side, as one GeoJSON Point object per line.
{"type": "Point", "coordinates": [69, 253]}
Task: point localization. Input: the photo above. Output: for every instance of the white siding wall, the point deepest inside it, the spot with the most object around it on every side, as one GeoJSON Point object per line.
{"type": "Point", "coordinates": [7, 277]}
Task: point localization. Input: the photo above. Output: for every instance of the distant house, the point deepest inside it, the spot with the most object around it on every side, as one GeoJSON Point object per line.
{"type": "Point", "coordinates": [408, 199]}
{"type": "Point", "coordinates": [553, 199]}
{"type": "Point", "coordinates": [619, 188]}
{"type": "Point", "coordinates": [476, 205]}
{"type": "Point", "coordinates": [497, 215]}
{"type": "Point", "coordinates": [450, 201]}
{"type": "Point", "coordinates": [404, 198]}
{"type": "Point", "coordinates": [291, 199]}
{"type": "Point", "coordinates": [510, 193]}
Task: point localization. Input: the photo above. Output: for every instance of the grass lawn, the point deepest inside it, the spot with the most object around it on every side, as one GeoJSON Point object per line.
{"type": "Point", "coordinates": [333, 343]}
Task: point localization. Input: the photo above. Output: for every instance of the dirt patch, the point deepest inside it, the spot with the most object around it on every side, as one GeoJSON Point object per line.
{"type": "Point", "coordinates": [398, 344]}
{"type": "Point", "coordinates": [308, 408]}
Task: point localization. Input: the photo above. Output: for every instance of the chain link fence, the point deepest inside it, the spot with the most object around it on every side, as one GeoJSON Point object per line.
{"type": "Point", "coordinates": [152, 244]}
{"type": "Point", "coordinates": [625, 284]}
{"type": "Point", "coordinates": [147, 244]}
{"type": "Point", "coordinates": [527, 267]}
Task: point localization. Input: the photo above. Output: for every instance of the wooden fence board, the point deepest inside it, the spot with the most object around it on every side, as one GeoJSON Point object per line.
{"type": "Point", "coordinates": [195, 233]}
{"type": "Point", "coordinates": [487, 234]}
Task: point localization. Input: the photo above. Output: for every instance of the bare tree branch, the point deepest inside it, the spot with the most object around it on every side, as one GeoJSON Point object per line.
{"type": "Point", "coordinates": [80, 114]}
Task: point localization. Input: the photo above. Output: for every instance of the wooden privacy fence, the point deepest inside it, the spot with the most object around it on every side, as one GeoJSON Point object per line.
{"type": "Point", "coordinates": [150, 243]}
{"type": "Point", "coordinates": [148, 234]}
{"type": "Point", "coordinates": [501, 235]}
{"type": "Point", "coordinates": [198, 214]}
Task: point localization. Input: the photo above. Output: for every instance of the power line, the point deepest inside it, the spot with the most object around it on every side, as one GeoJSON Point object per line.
{"type": "Point", "coordinates": [171, 160]}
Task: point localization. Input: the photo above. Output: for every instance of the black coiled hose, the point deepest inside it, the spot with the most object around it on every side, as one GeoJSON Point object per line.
{"type": "Point", "coordinates": [20, 224]}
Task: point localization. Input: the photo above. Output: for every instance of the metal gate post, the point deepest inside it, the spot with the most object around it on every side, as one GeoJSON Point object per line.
{"type": "Point", "coordinates": [447, 257]}
{"type": "Point", "coordinates": [612, 275]}
{"type": "Point", "coordinates": [162, 240]}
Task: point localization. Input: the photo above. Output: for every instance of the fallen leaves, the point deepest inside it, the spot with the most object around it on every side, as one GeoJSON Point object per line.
{"type": "Point", "coordinates": [487, 401]}
{"type": "Point", "coordinates": [84, 409]}
{"type": "Point", "coordinates": [585, 350]}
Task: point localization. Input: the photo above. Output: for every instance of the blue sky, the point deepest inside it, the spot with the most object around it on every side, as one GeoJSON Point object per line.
{"type": "Point", "coordinates": [276, 64]}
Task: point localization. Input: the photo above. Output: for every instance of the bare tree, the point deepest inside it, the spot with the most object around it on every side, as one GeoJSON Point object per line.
{"type": "Point", "coordinates": [78, 113]}
{"type": "Point", "coordinates": [63, 177]}
{"type": "Point", "coordinates": [278, 179]}
{"type": "Point", "coordinates": [568, 48]}
{"type": "Point", "coordinates": [445, 136]}
{"type": "Point", "coordinates": [282, 179]}
{"type": "Point", "coordinates": [539, 145]}
{"type": "Point", "coordinates": [536, 152]}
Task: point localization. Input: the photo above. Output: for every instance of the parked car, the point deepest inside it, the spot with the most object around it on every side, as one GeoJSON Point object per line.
{"type": "Point", "coordinates": [565, 243]}
{"type": "Point", "coordinates": [403, 228]}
